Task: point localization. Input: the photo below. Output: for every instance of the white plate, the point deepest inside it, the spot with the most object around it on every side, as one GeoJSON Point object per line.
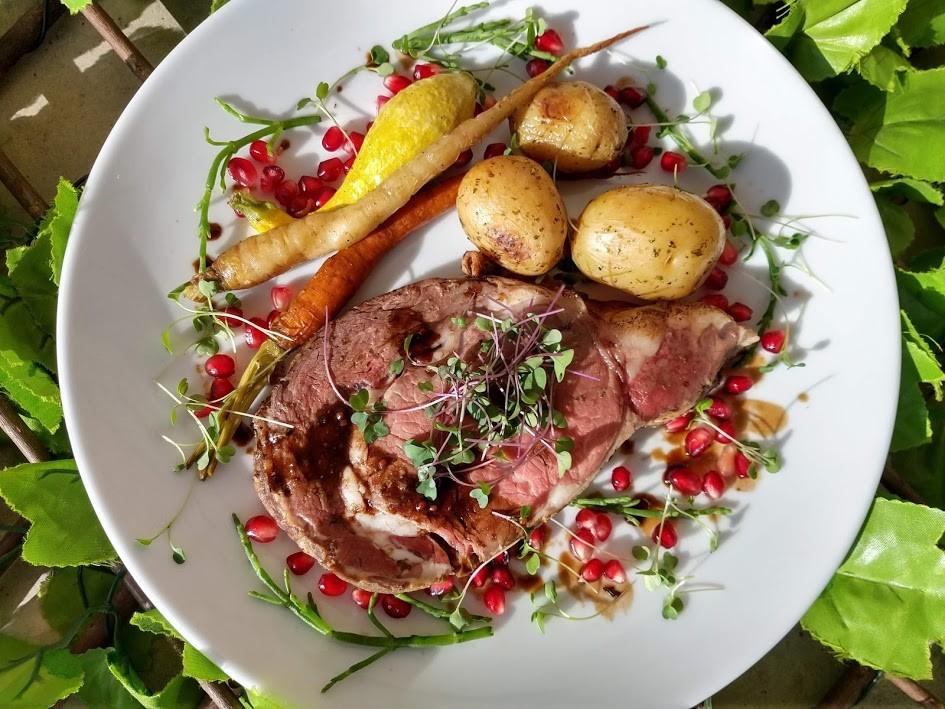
{"type": "Point", "coordinates": [134, 239]}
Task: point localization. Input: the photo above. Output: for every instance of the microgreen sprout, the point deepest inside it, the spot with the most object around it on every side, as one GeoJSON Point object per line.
{"type": "Point", "coordinates": [550, 608]}
{"type": "Point", "coordinates": [769, 458]}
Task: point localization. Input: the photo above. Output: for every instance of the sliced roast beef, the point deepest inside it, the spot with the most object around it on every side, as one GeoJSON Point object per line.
{"type": "Point", "coordinates": [355, 507]}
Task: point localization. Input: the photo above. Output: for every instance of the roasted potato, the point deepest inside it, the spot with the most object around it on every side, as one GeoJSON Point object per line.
{"type": "Point", "coordinates": [653, 241]}
{"type": "Point", "coordinates": [511, 210]}
{"type": "Point", "coordinates": [573, 124]}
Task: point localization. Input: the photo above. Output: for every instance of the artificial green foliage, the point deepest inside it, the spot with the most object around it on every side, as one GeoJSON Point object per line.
{"type": "Point", "coordinates": [76, 6]}
{"type": "Point", "coordinates": [100, 688]}
{"type": "Point", "coordinates": [179, 693]}
{"type": "Point", "coordinates": [883, 68]}
{"type": "Point", "coordinates": [886, 603]}
{"type": "Point", "coordinates": [68, 591]}
{"type": "Point", "coordinates": [923, 23]}
{"type": "Point", "coordinates": [195, 663]}
{"type": "Point", "coordinates": [29, 680]}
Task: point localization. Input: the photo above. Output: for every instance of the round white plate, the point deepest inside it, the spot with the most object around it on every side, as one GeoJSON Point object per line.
{"type": "Point", "coordinates": [134, 240]}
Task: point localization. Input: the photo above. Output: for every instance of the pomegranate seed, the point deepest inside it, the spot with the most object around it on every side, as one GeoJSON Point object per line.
{"type": "Point", "coordinates": [729, 254]}
{"type": "Point", "coordinates": [537, 537]}
{"type": "Point", "coordinates": [612, 91]}
{"type": "Point", "coordinates": [592, 570]}
{"type": "Point", "coordinates": [231, 322]}
{"type": "Point", "coordinates": [362, 597]}
{"type": "Point", "coordinates": [220, 365]}
{"type": "Point", "coordinates": [322, 199]}
{"type": "Point", "coordinates": [219, 388]}
{"type": "Point", "coordinates": [300, 205]}
{"type": "Point", "coordinates": [479, 580]}
{"type": "Point", "coordinates": [742, 465]}
{"type": "Point", "coordinates": [331, 585]}
{"type": "Point", "coordinates": [614, 570]}
{"type": "Point", "coordinates": [309, 185]}
{"type": "Point", "coordinates": [720, 409]}
{"type": "Point", "coordinates": [716, 300]}
{"type": "Point", "coordinates": [493, 150]}
{"type": "Point", "coordinates": [582, 544]}
{"type": "Point", "coordinates": [395, 83]}
{"type": "Point", "coordinates": [632, 97]}
{"type": "Point", "coordinates": [242, 171]}
{"type": "Point", "coordinates": [726, 433]}
{"type": "Point", "coordinates": [502, 559]}
{"type": "Point", "coordinates": [641, 156]}
{"type": "Point", "coordinates": [261, 528]}
{"type": "Point", "coordinates": [534, 67]}
{"type": "Point", "coordinates": [333, 139]}
{"type": "Point", "coordinates": [773, 341]}
{"type": "Point", "coordinates": [713, 485]}
{"type": "Point", "coordinates": [254, 335]}
{"type": "Point", "coordinates": [620, 478]}
{"type": "Point", "coordinates": [285, 192]}
{"type": "Point", "coordinates": [717, 279]}
{"type": "Point", "coordinates": [698, 441]}
{"type": "Point", "coordinates": [203, 412]}
{"type": "Point", "coordinates": [684, 479]}
{"type": "Point", "coordinates": [272, 177]}
{"type": "Point", "coordinates": [672, 161]}
{"type": "Point", "coordinates": [550, 41]}
{"type": "Point", "coordinates": [424, 71]}
{"type": "Point", "coordinates": [464, 158]}
{"type": "Point", "coordinates": [355, 141]}
{"type": "Point", "coordinates": [665, 534]}
{"type": "Point", "coordinates": [585, 519]}
{"type": "Point", "coordinates": [380, 101]}
{"type": "Point", "coordinates": [439, 588]}
{"type": "Point", "coordinates": [737, 383]}
{"type": "Point", "coordinates": [602, 527]}
{"type": "Point", "coordinates": [349, 163]}
{"type": "Point", "coordinates": [503, 577]}
{"type": "Point", "coordinates": [394, 607]}
{"type": "Point", "coordinates": [272, 317]}
{"type": "Point", "coordinates": [740, 312]}
{"type": "Point", "coordinates": [719, 196]}
{"type": "Point", "coordinates": [680, 423]}
{"type": "Point", "coordinates": [727, 221]}
{"type": "Point", "coordinates": [330, 170]}
{"type": "Point", "coordinates": [494, 600]}
{"type": "Point", "coordinates": [299, 563]}
{"type": "Point", "coordinates": [259, 151]}
{"type": "Point", "coordinates": [281, 296]}
{"type": "Point", "coordinates": [640, 135]}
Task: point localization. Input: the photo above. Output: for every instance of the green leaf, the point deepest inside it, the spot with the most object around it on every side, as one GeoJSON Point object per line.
{"type": "Point", "coordinates": [532, 564]}
{"type": "Point", "coordinates": [912, 427]}
{"type": "Point", "coordinates": [396, 367]}
{"type": "Point", "coordinates": [74, 6]}
{"type": "Point", "coordinates": [58, 222]}
{"type": "Point", "coordinates": [922, 296]}
{"type": "Point", "coordinates": [321, 91]}
{"type": "Point", "coordinates": [660, 62]}
{"type": "Point", "coordinates": [893, 578]}
{"type": "Point", "coordinates": [883, 68]}
{"type": "Point", "coordinates": [32, 389]}
{"type": "Point", "coordinates": [195, 663]}
{"type": "Point", "coordinates": [915, 190]}
{"type": "Point", "coordinates": [920, 352]}
{"type": "Point", "coordinates": [64, 530]}
{"type": "Point", "coordinates": [100, 688]}
{"type": "Point", "coordinates": [702, 102]}
{"type": "Point", "coordinates": [481, 497]}
{"type": "Point", "coordinates": [770, 208]}
{"type": "Point", "coordinates": [30, 269]}
{"type": "Point", "coordinates": [923, 23]}
{"type": "Point", "coordinates": [59, 675]}
{"type": "Point", "coordinates": [359, 400]}
{"type": "Point", "coordinates": [922, 465]}
{"type": "Point", "coordinates": [900, 231]}
{"type": "Point", "coordinates": [180, 691]}
{"type": "Point", "coordinates": [902, 133]}
{"type": "Point", "coordinates": [67, 592]}
{"type": "Point", "coordinates": [823, 38]}
{"type": "Point", "coordinates": [20, 335]}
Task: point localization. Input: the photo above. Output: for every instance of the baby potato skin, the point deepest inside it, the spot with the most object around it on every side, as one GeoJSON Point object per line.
{"type": "Point", "coordinates": [511, 210]}
{"type": "Point", "coordinates": [655, 242]}
{"type": "Point", "coordinates": [573, 124]}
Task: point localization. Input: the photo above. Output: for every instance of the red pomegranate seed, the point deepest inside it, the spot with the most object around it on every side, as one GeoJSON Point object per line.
{"type": "Point", "coordinates": [300, 205]}
{"type": "Point", "coordinates": [380, 101]}
{"type": "Point", "coordinates": [281, 296]}
{"type": "Point", "coordinates": [355, 141]}
{"type": "Point", "coordinates": [672, 161]}
{"type": "Point", "coordinates": [620, 478]}
{"type": "Point", "coordinates": [698, 441]}
{"type": "Point", "coordinates": [684, 479]}
{"type": "Point", "coordinates": [550, 41]}
{"type": "Point", "coordinates": [494, 600]}
{"type": "Point", "coordinates": [719, 196]}
{"type": "Point", "coordinates": [261, 528]}
{"type": "Point", "coordinates": [602, 526]}
{"type": "Point", "coordinates": [614, 570]}
{"type": "Point", "coordinates": [285, 192]}
{"type": "Point", "coordinates": [220, 365]}
{"type": "Point", "coordinates": [534, 67]}
{"type": "Point", "coordinates": [640, 135]}
{"type": "Point", "coordinates": [717, 279]}
{"type": "Point", "coordinates": [395, 83]}
{"type": "Point", "coordinates": [737, 383]}
{"type": "Point", "coordinates": [394, 607]}
{"type": "Point", "coordinates": [739, 312]}
{"type": "Point", "coordinates": [310, 185]}
{"type": "Point", "coordinates": [716, 299]}
{"type": "Point", "coordinates": [592, 570]}
{"type": "Point", "coordinates": [439, 588]}
{"type": "Point", "coordinates": [713, 484]}
{"type": "Point", "coordinates": [219, 388]}
{"type": "Point", "coordinates": [665, 534]}
{"type": "Point", "coordinates": [585, 519]}
{"type": "Point", "coordinates": [464, 158]}
{"type": "Point", "coordinates": [299, 563]}
{"type": "Point", "coordinates": [259, 151]}
{"type": "Point", "coordinates": [362, 597]}
{"type": "Point", "coordinates": [242, 171]}
{"type": "Point", "coordinates": [326, 194]}
{"type": "Point", "coordinates": [501, 576]}
{"type": "Point", "coordinates": [202, 413]}
{"type": "Point", "coordinates": [331, 585]}
{"type": "Point", "coordinates": [773, 341]}
{"type": "Point", "coordinates": [632, 96]}
{"type": "Point", "coordinates": [349, 163]}
{"type": "Point", "coordinates": [742, 465]}
{"type": "Point", "coordinates": [729, 254]}
{"type": "Point", "coordinates": [726, 433]}
{"type": "Point", "coordinates": [333, 139]}
{"type": "Point", "coordinates": [254, 335]}
{"type": "Point", "coordinates": [727, 221]}
{"type": "Point", "coordinates": [330, 170]}
{"type": "Point", "coordinates": [582, 544]}
{"type": "Point", "coordinates": [641, 156]}
{"type": "Point", "coordinates": [537, 537]}
{"type": "Point", "coordinates": [231, 322]}
{"type": "Point", "coordinates": [493, 150]}
{"type": "Point", "coordinates": [272, 177]}
{"type": "Point", "coordinates": [612, 91]}
{"type": "Point", "coordinates": [680, 423]}
{"type": "Point", "coordinates": [481, 576]}
{"type": "Point", "coordinates": [272, 317]}
{"type": "Point", "coordinates": [424, 71]}
{"type": "Point", "coordinates": [720, 409]}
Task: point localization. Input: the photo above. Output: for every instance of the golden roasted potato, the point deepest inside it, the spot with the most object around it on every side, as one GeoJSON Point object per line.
{"type": "Point", "coordinates": [573, 124]}
{"type": "Point", "coordinates": [511, 210]}
{"type": "Point", "coordinates": [653, 241]}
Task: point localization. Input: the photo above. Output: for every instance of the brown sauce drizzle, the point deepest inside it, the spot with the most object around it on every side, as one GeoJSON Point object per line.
{"type": "Point", "coordinates": [215, 231]}
{"type": "Point", "coordinates": [607, 596]}
{"type": "Point", "coordinates": [803, 396]}
{"type": "Point", "coordinates": [321, 451]}
{"type": "Point", "coordinates": [243, 434]}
